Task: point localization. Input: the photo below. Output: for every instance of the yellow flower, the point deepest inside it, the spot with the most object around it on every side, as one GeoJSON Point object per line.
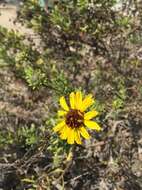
{"type": "Point", "coordinates": [74, 118]}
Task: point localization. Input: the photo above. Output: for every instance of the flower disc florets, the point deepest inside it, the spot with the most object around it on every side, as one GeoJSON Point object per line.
{"type": "Point", "coordinates": [74, 118]}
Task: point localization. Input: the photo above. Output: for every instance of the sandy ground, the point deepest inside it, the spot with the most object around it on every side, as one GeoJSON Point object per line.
{"type": "Point", "coordinates": [8, 15]}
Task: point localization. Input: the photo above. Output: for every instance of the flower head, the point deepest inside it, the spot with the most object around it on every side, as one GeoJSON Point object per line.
{"type": "Point", "coordinates": [74, 118]}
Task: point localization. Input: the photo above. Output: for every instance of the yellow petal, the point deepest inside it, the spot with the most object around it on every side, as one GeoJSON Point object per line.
{"type": "Point", "coordinates": [70, 139]}
{"type": "Point", "coordinates": [77, 136]}
{"type": "Point", "coordinates": [78, 100]}
{"type": "Point", "coordinates": [63, 103]}
{"type": "Point", "coordinates": [92, 125]}
{"type": "Point", "coordinates": [69, 156]}
{"type": "Point", "coordinates": [61, 113]}
{"type": "Point", "coordinates": [89, 115]}
{"type": "Point", "coordinates": [87, 102]}
{"type": "Point", "coordinates": [59, 126]}
{"type": "Point", "coordinates": [72, 100]}
{"type": "Point", "coordinates": [64, 133]}
{"type": "Point", "coordinates": [84, 133]}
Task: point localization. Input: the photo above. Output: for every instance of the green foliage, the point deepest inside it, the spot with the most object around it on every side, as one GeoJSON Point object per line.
{"type": "Point", "coordinates": [124, 21]}
{"type": "Point", "coordinates": [71, 23]}
{"type": "Point", "coordinates": [27, 135]}
{"type": "Point", "coordinates": [60, 20]}
{"type": "Point", "coordinates": [6, 138]}
{"type": "Point", "coordinates": [120, 97]}
{"type": "Point", "coordinates": [61, 84]}
{"type": "Point", "coordinates": [30, 134]}
{"type": "Point", "coordinates": [82, 4]}
{"type": "Point", "coordinates": [136, 38]}
{"type": "Point", "coordinates": [35, 78]}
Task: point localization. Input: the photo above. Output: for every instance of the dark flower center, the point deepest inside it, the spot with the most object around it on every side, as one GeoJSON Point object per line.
{"type": "Point", "coordinates": [74, 118]}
